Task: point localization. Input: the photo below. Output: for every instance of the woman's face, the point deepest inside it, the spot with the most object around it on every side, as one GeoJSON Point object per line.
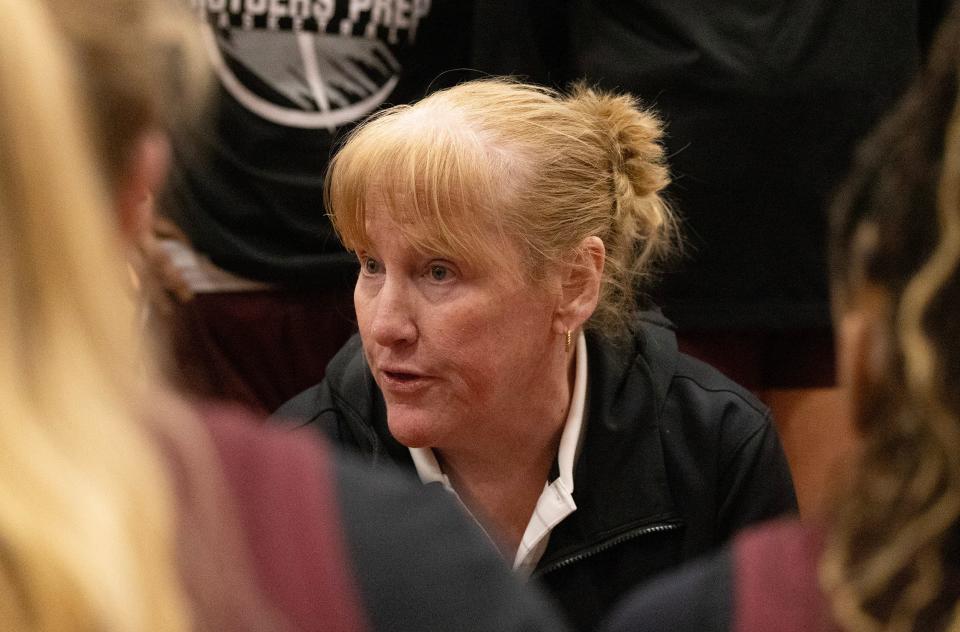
{"type": "Point", "coordinates": [463, 354]}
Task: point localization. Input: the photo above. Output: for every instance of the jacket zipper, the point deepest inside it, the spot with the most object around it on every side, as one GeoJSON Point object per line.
{"type": "Point", "coordinates": [603, 546]}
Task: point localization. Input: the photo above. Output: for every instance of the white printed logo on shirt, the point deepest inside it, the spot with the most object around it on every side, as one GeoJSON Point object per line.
{"type": "Point", "coordinates": [311, 64]}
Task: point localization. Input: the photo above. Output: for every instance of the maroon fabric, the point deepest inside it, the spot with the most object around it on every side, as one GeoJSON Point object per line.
{"type": "Point", "coordinates": [775, 578]}
{"type": "Point", "coordinates": [760, 360]}
{"type": "Point", "coordinates": [258, 348]}
{"type": "Point", "coordinates": [284, 488]}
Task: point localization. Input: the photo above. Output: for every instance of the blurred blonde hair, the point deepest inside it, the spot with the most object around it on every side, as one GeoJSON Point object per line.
{"type": "Point", "coordinates": [141, 65]}
{"type": "Point", "coordinates": [86, 511]}
{"type": "Point", "coordinates": [495, 161]}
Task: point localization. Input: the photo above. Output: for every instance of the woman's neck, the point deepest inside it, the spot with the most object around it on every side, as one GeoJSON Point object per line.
{"type": "Point", "coordinates": [502, 489]}
{"type": "Point", "coordinates": [501, 482]}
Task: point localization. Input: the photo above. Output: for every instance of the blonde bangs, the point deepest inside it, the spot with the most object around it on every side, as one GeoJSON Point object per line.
{"type": "Point", "coordinates": [434, 178]}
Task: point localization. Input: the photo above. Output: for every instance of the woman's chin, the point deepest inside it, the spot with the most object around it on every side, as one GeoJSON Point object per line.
{"type": "Point", "coordinates": [411, 431]}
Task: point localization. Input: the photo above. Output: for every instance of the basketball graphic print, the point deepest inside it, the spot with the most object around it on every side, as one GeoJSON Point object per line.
{"type": "Point", "coordinates": [308, 64]}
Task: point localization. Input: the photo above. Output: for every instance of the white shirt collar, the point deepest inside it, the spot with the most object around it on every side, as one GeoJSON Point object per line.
{"type": "Point", "coordinates": [556, 501]}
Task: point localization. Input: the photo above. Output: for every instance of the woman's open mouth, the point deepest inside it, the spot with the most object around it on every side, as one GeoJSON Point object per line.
{"type": "Point", "coordinates": [400, 377]}
{"type": "Point", "coordinates": [401, 381]}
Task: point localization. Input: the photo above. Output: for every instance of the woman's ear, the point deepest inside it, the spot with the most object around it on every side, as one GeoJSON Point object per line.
{"type": "Point", "coordinates": [580, 285]}
{"type": "Point", "coordinates": [142, 176]}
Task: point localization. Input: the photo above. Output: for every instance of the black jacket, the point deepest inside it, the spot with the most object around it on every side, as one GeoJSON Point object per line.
{"type": "Point", "coordinates": [675, 459]}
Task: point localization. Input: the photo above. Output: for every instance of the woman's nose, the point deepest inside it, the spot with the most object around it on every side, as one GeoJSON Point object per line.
{"type": "Point", "coordinates": [393, 320]}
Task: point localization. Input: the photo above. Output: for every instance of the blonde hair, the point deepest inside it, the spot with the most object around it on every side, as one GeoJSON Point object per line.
{"type": "Point", "coordinates": [140, 64]}
{"type": "Point", "coordinates": [890, 559]}
{"type": "Point", "coordinates": [86, 512]}
{"type": "Point", "coordinates": [491, 160]}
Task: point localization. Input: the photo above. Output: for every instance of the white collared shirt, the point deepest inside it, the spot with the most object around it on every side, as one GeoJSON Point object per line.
{"type": "Point", "coordinates": [556, 500]}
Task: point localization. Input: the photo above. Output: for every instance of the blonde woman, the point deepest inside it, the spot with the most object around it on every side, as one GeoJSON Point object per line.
{"type": "Point", "coordinates": [887, 558]}
{"type": "Point", "coordinates": [122, 508]}
{"type": "Point", "coordinates": [503, 231]}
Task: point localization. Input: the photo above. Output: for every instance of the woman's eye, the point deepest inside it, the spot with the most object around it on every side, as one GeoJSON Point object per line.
{"type": "Point", "coordinates": [439, 272]}
{"type": "Point", "coordinates": [370, 265]}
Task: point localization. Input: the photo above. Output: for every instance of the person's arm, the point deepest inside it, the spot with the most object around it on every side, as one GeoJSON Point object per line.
{"type": "Point", "coordinates": [422, 564]}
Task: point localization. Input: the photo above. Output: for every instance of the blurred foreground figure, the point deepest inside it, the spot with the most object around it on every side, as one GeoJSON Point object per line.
{"type": "Point", "coordinates": [887, 558]}
{"type": "Point", "coordinates": [121, 508]}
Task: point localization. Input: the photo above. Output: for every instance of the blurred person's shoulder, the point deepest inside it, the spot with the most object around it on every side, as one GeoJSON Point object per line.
{"type": "Point", "coordinates": [766, 580]}
{"type": "Point", "coordinates": [423, 564]}
{"type": "Point", "coordinates": [417, 560]}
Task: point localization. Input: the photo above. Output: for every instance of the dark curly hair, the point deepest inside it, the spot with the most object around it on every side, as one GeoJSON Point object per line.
{"type": "Point", "coordinates": [891, 557]}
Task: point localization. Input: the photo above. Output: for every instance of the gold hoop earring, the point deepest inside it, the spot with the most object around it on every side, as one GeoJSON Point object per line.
{"type": "Point", "coordinates": [568, 342]}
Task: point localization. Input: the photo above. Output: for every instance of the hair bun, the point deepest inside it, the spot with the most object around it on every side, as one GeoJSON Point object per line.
{"type": "Point", "coordinates": [634, 133]}
{"type": "Point", "coordinates": [643, 232]}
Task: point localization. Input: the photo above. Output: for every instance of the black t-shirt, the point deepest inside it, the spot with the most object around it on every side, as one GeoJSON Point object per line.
{"type": "Point", "coordinates": [763, 104]}
{"type": "Point", "coordinates": [293, 76]}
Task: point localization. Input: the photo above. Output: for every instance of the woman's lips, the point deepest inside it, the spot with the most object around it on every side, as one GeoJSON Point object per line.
{"type": "Point", "coordinates": [402, 381]}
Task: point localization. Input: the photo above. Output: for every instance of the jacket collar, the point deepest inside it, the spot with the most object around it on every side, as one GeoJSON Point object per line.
{"type": "Point", "coordinates": [358, 398]}
{"type": "Point", "coordinates": [621, 479]}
